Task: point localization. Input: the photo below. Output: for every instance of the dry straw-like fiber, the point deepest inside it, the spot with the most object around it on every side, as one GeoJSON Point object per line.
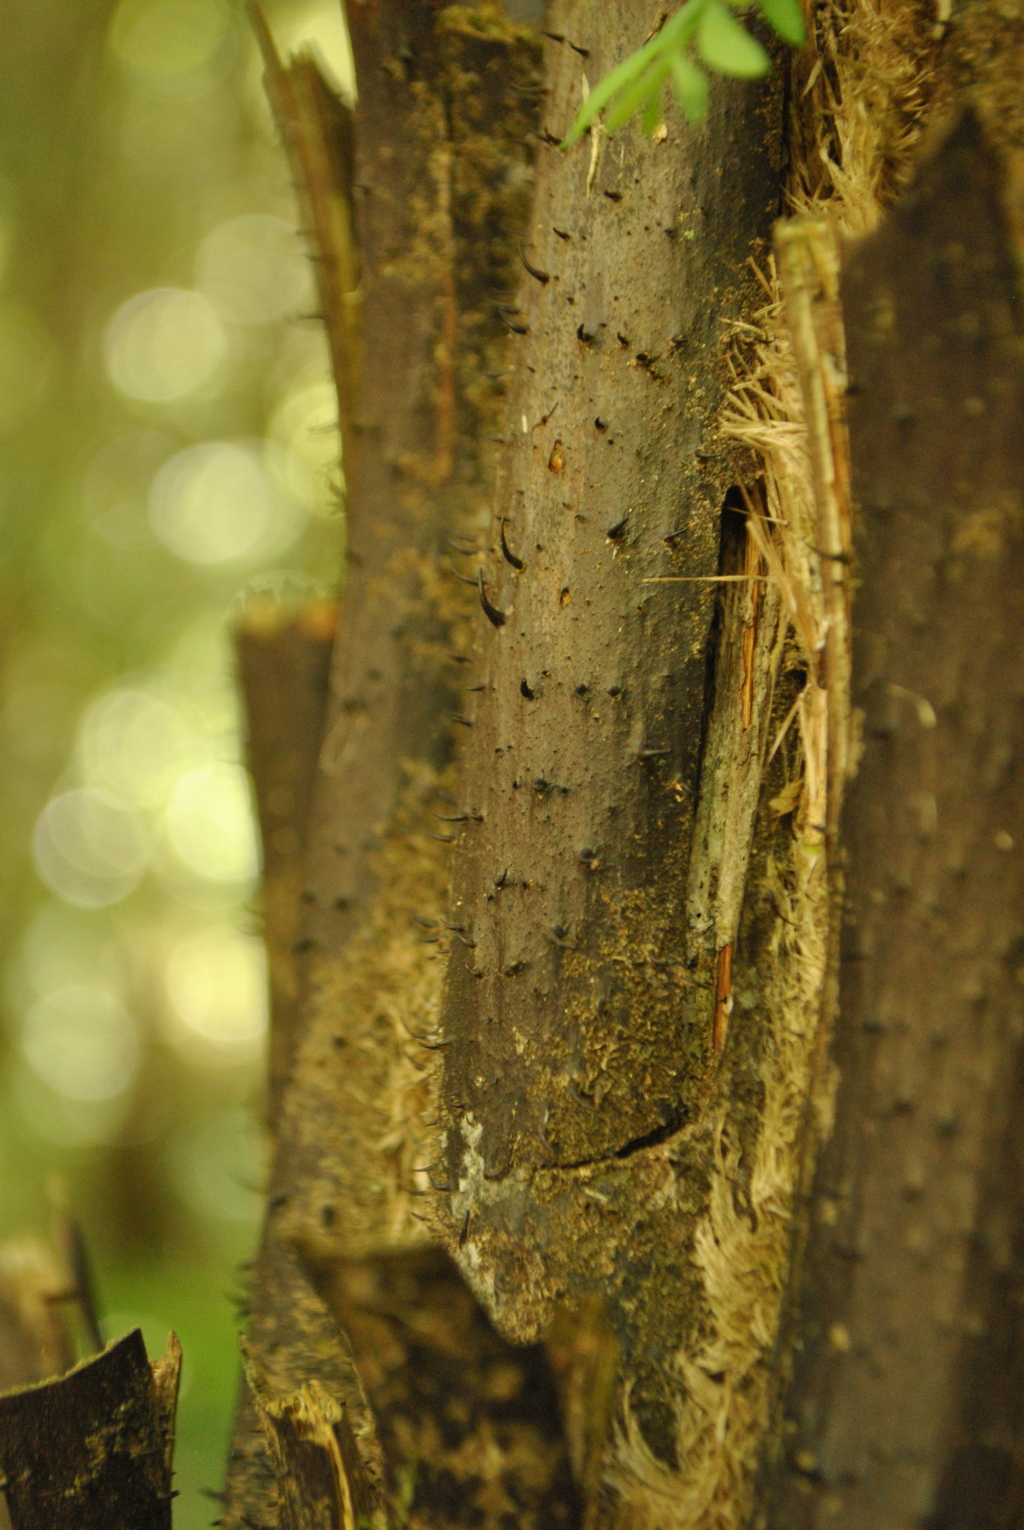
{"type": "Point", "coordinates": [860, 100]}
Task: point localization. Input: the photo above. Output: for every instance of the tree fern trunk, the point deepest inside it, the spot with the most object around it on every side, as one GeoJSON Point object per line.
{"type": "Point", "coordinates": [582, 1064]}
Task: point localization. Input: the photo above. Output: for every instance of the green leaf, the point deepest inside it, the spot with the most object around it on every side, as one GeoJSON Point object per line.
{"type": "Point", "coordinates": [610, 86]}
{"type": "Point", "coordinates": [691, 87]}
{"type": "Point", "coordinates": [787, 19]}
{"type": "Point", "coordinates": [672, 36]}
{"type": "Point", "coordinates": [653, 113]}
{"type": "Point", "coordinates": [638, 93]}
{"type": "Point", "coordinates": [727, 47]}
{"type": "Point", "coordinates": [723, 43]}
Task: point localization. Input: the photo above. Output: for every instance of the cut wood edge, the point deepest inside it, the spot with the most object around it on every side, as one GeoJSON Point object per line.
{"type": "Point", "coordinates": [320, 1478]}
{"type": "Point", "coordinates": [92, 1450]}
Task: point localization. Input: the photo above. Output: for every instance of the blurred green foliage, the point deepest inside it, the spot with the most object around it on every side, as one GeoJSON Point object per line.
{"type": "Point", "coordinates": [167, 442]}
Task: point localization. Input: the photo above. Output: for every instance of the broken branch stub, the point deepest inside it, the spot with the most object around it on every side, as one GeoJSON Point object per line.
{"type": "Point", "coordinates": [316, 128]}
{"type": "Point", "coordinates": [92, 1450]}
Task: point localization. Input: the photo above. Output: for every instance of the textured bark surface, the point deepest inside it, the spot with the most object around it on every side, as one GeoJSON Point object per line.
{"type": "Point", "coordinates": [446, 98]}
{"type": "Point", "coordinates": [321, 1481]}
{"type": "Point", "coordinates": [388, 700]}
{"type": "Point", "coordinates": [907, 1400]}
{"type": "Point", "coordinates": [92, 1450]}
{"type": "Point", "coordinates": [636, 931]}
{"type": "Point", "coordinates": [379, 707]}
{"type": "Point", "coordinates": [577, 1039]}
{"type": "Point", "coordinates": [470, 1424]}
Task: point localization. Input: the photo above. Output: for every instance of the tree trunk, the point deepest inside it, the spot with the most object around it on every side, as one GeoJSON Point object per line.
{"type": "Point", "coordinates": [582, 1061]}
{"type": "Point", "coordinates": [440, 177]}
{"type": "Point", "coordinates": [908, 1315]}
{"type": "Point", "coordinates": [643, 1098]}
{"type": "Point", "coordinates": [579, 1064]}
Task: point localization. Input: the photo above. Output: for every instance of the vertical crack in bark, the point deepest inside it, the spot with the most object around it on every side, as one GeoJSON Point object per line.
{"type": "Point", "coordinates": [787, 404]}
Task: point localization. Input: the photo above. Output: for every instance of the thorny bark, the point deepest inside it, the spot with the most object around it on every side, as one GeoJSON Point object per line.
{"type": "Point", "coordinates": [617, 892]}
{"type": "Point", "coordinates": [621, 476]}
{"type": "Point", "coordinates": [615, 896]}
{"type": "Point", "coordinates": [462, 1428]}
{"type": "Point", "coordinates": [907, 1316]}
{"type": "Point", "coordinates": [580, 1002]}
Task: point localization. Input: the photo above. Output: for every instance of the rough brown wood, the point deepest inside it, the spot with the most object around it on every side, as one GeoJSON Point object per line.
{"type": "Point", "coordinates": [578, 1040]}
{"type": "Point", "coordinates": [390, 697]}
{"type": "Point", "coordinates": [320, 1477]}
{"type": "Point", "coordinates": [470, 1424]}
{"type": "Point", "coordinates": [382, 709]}
{"type": "Point", "coordinates": [907, 1399]}
{"type": "Point", "coordinates": [440, 168]}
{"type": "Point", "coordinates": [92, 1450]}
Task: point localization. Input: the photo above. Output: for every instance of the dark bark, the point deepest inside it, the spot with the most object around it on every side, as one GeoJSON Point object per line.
{"type": "Point", "coordinates": [470, 1425]}
{"type": "Point", "coordinates": [908, 1398]}
{"type": "Point", "coordinates": [622, 871]}
{"type": "Point", "coordinates": [444, 97]}
{"type": "Point", "coordinates": [385, 705]}
{"type": "Point", "coordinates": [380, 711]}
{"type": "Point", "coordinates": [321, 1481]}
{"type": "Point", "coordinates": [578, 1036]}
{"type": "Point", "coordinates": [294, 1342]}
{"type": "Point", "coordinates": [92, 1450]}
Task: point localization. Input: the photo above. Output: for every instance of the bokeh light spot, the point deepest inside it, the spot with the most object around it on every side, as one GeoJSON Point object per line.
{"type": "Point", "coordinates": [306, 423]}
{"type": "Point", "coordinates": [89, 847]}
{"type": "Point", "coordinates": [116, 486]}
{"type": "Point", "coordinates": [209, 824]}
{"type": "Point", "coordinates": [136, 746]}
{"type": "Point", "coordinates": [216, 502]}
{"type": "Point", "coordinates": [217, 986]}
{"type": "Point", "coordinates": [66, 1123]}
{"type": "Point", "coordinates": [164, 344]}
{"type": "Point", "coordinates": [254, 270]}
{"type": "Point", "coordinates": [59, 948]}
{"type": "Point", "coordinates": [167, 37]}
{"type": "Point", "coordinates": [82, 1042]}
